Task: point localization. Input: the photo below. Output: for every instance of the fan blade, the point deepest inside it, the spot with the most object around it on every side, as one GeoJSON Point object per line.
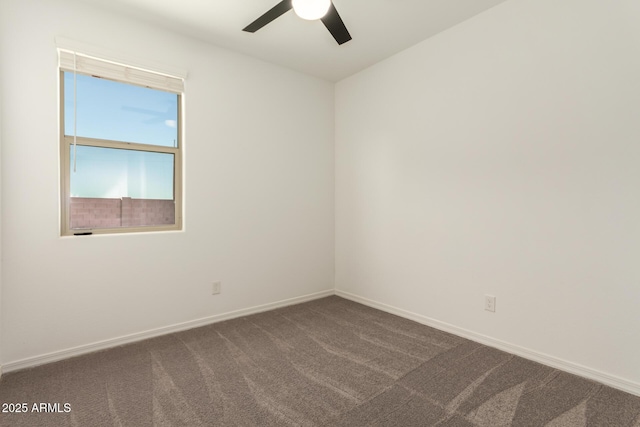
{"type": "Point", "coordinates": [336, 27]}
{"type": "Point", "coordinates": [273, 13]}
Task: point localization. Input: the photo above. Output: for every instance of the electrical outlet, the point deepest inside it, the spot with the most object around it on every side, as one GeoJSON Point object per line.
{"type": "Point", "coordinates": [490, 303]}
{"type": "Point", "coordinates": [216, 288]}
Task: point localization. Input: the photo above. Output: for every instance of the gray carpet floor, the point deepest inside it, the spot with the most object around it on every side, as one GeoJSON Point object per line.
{"type": "Point", "coordinates": [329, 362]}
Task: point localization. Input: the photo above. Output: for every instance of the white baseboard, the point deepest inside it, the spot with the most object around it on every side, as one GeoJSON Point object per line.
{"type": "Point", "coordinates": [114, 342]}
{"type": "Point", "coordinates": [545, 359]}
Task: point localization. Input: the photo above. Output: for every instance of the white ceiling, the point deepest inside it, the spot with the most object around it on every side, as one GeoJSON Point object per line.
{"type": "Point", "coordinates": [380, 28]}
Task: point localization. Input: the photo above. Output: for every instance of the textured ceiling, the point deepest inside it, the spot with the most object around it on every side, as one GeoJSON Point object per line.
{"type": "Point", "coordinates": [380, 28]}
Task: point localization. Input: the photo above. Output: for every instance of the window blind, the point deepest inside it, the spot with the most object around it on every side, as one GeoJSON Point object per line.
{"type": "Point", "coordinates": [74, 61]}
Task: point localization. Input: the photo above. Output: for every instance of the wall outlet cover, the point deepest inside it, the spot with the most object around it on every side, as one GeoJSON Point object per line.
{"type": "Point", "coordinates": [490, 303]}
{"type": "Point", "coordinates": [216, 288]}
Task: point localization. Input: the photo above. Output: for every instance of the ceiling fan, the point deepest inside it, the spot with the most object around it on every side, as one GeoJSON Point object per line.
{"type": "Point", "coordinates": [306, 9]}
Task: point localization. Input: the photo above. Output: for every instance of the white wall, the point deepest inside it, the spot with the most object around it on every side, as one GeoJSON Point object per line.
{"type": "Point", "coordinates": [503, 157]}
{"type": "Point", "coordinates": [258, 190]}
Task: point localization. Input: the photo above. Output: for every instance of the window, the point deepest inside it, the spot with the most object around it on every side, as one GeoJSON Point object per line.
{"type": "Point", "coordinates": [120, 148]}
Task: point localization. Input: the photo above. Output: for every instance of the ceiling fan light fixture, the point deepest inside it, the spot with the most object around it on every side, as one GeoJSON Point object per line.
{"type": "Point", "coordinates": [311, 9]}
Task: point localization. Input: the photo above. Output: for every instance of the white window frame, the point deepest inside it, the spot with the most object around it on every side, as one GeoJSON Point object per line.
{"type": "Point", "coordinates": [83, 64]}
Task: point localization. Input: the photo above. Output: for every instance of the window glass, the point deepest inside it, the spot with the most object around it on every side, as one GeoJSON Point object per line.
{"type": "Point", "coordinates": [120, 112]}
{"type": "Point", "coordinates": [115, 173]}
